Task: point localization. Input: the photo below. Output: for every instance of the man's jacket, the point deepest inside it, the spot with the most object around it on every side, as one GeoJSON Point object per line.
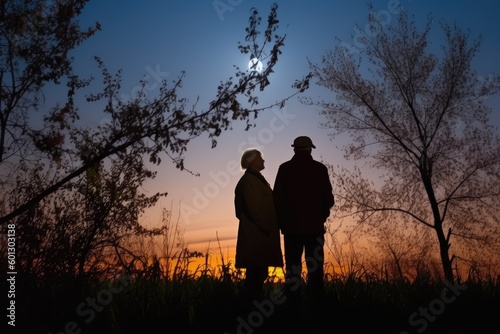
{"type": "Point", "coordinates": [303, 195]}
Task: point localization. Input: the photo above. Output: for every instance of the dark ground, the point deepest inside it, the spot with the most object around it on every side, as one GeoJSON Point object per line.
{"type": "Point", "coordinates": [327, 316]}
{"type": "Point", "coordinates": [344, 309]}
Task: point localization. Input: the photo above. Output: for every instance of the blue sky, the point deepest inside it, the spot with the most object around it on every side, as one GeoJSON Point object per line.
{"type": "Point", "coordinates": [163, 38]}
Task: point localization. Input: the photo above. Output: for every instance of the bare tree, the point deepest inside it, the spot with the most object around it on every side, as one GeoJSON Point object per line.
{"type": "Point", "coordinates": [92, 216]}
{"type": "Point", "coordinates": [35, 40]}
{"type": "Point", "coordinates": [419, 116]}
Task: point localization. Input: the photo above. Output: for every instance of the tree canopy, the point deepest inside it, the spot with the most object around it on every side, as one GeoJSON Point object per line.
{"type": "Point", "coordinates": [36, 40]}
{"type": "Point", "coordinates": [419, 115]}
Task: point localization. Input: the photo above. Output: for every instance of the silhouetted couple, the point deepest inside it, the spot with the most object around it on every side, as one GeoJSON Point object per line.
{"type": "Point", "coordinates": [298, 206]}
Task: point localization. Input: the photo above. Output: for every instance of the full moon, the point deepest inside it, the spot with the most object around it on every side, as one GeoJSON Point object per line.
{"type": "Point", "coordinates": [253, 67]}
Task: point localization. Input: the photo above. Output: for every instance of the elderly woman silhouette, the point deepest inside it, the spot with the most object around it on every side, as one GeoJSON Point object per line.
{"type": "Point", "coordinates": [258, 244]}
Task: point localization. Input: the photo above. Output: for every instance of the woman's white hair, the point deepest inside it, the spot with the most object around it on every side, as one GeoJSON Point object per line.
{"type": "Point", "coordinates": [248, 156]}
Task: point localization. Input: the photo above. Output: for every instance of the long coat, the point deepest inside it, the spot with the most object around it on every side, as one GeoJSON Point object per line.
{"type": "Point", "coordinates": [258, 242]}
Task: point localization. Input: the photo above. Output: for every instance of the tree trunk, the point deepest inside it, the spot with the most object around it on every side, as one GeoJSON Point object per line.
{"type": "Point", "coordinates": [444, 244]}
{"type": "Point", "coordinates": [444, 247]}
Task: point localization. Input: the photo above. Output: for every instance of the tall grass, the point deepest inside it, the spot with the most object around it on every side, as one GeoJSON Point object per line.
{"type": "Point", "coordinates": [168, 288]}
{"type": "Point", "coordinates": [208, 300]}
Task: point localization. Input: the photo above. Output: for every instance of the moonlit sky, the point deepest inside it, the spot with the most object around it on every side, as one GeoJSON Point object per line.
{"type": "Point", "coordinates": [163, 38]}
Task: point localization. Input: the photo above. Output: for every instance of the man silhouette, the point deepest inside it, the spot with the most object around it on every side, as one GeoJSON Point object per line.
{"type": "Point", "coordinates": [303, 198]}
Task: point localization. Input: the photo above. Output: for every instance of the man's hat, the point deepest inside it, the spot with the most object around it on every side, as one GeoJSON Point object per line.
{"type": "Point", "coordinates": [303, 142]}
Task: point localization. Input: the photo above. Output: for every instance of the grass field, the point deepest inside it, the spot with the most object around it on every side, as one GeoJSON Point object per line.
{"type": "Point", "coordinates": [212, 303]}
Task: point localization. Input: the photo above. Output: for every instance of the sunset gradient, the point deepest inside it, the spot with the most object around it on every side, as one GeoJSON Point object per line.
{"type": "Point", "coordinates": [159, 39]}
